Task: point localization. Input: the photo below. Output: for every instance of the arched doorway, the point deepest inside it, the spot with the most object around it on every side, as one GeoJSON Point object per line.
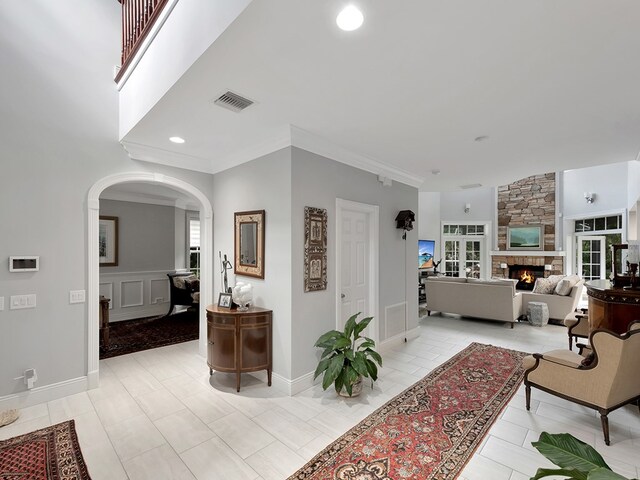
{"type": "Point", "coordinates": [93, 210]}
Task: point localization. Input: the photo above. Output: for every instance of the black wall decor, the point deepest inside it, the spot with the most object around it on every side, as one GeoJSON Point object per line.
{"type": "Point", "coordinates": [405, 220]}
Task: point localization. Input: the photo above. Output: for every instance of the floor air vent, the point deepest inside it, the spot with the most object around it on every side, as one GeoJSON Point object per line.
{"type": "Point", "coordinates": [233, 101]}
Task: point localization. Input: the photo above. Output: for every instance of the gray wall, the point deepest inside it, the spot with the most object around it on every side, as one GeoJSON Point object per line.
{"type": "Point", "coordinates": [317, 182]}
{"type": "Point", "coordinates": [146, 236]}
{"type": "Point", "coordinates": [180, 228]}
{"type": "Point", "coordinates": [46, 176]}
{"type": "Point", "coordinates": [262, 184]}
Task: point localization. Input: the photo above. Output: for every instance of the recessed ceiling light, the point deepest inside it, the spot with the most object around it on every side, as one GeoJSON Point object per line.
{"type": "Point", "coordinates": [350, 18]}
{"type": "Point", "coordinates": [176, 139]}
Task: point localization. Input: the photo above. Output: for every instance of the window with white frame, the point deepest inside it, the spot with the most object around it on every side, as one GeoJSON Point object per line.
{"type": "Point", "coordinates": [594, 237]}
{"type": "Point", "coordinates": [193, 242]}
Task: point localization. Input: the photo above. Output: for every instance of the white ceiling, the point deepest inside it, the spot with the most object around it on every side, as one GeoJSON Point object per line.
{"type": "Point", "coordinates": [553, 84]}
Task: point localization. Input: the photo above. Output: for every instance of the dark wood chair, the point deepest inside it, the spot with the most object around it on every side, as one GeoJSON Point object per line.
{"type": "Point", "coordinates": [182, 287]}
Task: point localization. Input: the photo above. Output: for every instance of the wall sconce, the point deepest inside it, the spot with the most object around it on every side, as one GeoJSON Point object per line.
{"type": "Point", "coordinates": [467, 207]}
{"type": "Point", "coordinates": [589, 197]}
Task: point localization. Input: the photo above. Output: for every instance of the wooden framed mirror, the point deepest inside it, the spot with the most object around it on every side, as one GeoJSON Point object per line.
{"type": "Point", "coordinates": [249, 243]}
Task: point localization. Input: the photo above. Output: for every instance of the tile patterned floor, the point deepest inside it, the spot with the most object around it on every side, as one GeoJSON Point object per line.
{"type": "Point", "coordinates": [158, 415]}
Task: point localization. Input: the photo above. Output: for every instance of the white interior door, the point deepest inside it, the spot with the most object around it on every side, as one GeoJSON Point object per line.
{"type": "Point", "coordinates": [357, 264]}
{"type": "Point", "coordinates": [591, 257]}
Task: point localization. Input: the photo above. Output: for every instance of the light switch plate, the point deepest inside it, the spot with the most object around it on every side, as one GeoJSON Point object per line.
{"type": "Point", "coordinates": [17, 302]}
{"type": "Point", "coordinates": [76, 296]}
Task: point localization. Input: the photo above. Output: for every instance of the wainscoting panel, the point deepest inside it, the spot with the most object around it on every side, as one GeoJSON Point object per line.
{"type": "Point", "coordinates": [395, 316]}
{"type": "Point", "coordinates": [131, 293]}
{"type": "Point", "coordinates": [136, 294]}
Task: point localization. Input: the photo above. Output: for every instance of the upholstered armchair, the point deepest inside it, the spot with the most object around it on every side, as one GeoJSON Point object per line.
{"type": "Point", "coordinates": [184, 290]}
{"type": "Point", "coordinates": [577, 326]}
{"type": "Point", "coordinates": [604, 381]}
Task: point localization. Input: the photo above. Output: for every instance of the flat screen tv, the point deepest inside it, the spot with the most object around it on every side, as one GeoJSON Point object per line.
{"type": "Point", "coordinates": [425, 253]}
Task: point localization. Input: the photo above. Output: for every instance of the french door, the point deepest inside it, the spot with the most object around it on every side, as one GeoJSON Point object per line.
{"type": "Point", "coordinates": [464, 257]}
{"type": "Point", "coordinates": [591, 257]}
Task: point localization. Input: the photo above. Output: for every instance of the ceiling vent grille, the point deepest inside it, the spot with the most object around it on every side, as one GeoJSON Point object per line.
{"type": "Point", "coordinates": [471, 185]}
{"type": "Point", "coordinates": [233, 101]}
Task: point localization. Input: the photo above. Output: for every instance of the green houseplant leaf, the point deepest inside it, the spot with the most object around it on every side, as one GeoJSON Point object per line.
{"type": "Point", "coordinates": [578, 461]}
{"type": "Point", "coordinates": [347, 356]}
{"type": "Point", "coordinates": [566, 451]}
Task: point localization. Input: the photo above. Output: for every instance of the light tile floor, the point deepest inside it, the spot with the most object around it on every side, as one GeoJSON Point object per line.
{"type": "Point", "coordinates": [158, 414]}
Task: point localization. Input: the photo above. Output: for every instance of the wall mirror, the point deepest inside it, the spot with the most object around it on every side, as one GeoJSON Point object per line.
{"type": "Point", "coordinates": [249, 243]}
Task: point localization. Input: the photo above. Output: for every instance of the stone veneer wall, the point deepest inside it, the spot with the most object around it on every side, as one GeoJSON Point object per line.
{"type": "Point", "coordinates": [530, 201]}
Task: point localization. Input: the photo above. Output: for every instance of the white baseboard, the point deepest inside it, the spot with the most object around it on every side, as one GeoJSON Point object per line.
{"type": "Point", "coordinates": [292, 387]}
{"type": "Point", "coordinates": [44, 394]}
{"type": "Point", "coordinates": [398, 339]}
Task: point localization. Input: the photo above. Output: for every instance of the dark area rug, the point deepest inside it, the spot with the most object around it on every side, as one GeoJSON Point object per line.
{"type": "Point", "coordinates": [131, 336]}
{"type": "Point", "coordinates": [430, 430]}
{"type": "Point", "coordinates": [52, 453]}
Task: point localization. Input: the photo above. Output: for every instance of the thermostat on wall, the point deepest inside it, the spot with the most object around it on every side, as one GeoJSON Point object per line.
{"type": "Point", "coordinates": [24, 263]}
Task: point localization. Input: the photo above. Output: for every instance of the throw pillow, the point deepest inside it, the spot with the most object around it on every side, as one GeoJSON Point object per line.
{"type": "Point", "coordinates": [547, 285]}
{"type": "Point", "coordinates": [566, 284]}
{"type": "Point", "coordinates": [192, 284]}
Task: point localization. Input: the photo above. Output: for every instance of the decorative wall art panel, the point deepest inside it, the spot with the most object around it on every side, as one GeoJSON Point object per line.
{"type": "Point", "coordinates": [315, 249]}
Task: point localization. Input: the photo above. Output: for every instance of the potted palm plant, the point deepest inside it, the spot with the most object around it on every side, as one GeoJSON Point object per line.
{"type": "Point", "coordinates": [347, 357]}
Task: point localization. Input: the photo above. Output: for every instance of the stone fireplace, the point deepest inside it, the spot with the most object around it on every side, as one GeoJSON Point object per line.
{"type": "Point", "coordinates": [530, 201]}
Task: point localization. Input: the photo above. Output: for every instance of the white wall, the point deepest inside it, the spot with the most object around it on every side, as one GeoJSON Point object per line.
{"type": "Point", "coordinates": [608, 182]}
{"type": "Point", "coordinates": [482, 200]}
{"type": "Point", "coordinates": [59, 136]}
{"type": "Point", "coordinates": [429, 218]}
{"type": "Point", "coordinates": [317, 182]}
{"type": "Point", "coordinates": [263, 184]}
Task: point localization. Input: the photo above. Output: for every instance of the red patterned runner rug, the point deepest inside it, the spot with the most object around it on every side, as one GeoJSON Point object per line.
{"type": "Point", "coordinates": [430, 430]}
{"type": "Point", "coordinates": [52, 453]}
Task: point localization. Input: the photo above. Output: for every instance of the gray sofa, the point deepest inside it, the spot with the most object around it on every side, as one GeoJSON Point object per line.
{"type": "Point", "coordinates": [492, 299]}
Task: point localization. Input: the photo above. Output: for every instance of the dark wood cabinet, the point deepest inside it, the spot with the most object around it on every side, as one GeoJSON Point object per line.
{"type": "Point", "coordinates": [612, 308]}
{"type": "Point", "coordinates": [239, 341]}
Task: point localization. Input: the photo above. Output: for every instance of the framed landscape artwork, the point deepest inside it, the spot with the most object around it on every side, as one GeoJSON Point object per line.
{"type": "Point", "coordinates": [108, 241]}
{"type": "Point", "coordinates": [315, 249]}
{"type": "Point", "coordinates": [525, 237]}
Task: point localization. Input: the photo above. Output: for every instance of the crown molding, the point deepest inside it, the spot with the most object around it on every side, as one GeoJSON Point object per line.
{"type": "Point", "coordinates": [145, 153]}
{"type": "Point", "coordinates": [313, 143]}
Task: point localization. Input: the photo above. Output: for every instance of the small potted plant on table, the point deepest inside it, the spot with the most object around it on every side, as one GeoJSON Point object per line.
{"type": "Point", "coordinates": [347, 358]}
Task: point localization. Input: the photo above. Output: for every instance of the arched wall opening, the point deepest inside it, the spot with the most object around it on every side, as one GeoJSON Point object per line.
{"type": "Point", "coordinates": [93, 267]}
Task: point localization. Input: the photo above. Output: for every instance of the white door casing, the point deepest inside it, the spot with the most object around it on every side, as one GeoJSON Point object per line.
{"type": "Point", "coordinates": [357, 263]}
{"type": "Point", "coordinates": [93, 268]}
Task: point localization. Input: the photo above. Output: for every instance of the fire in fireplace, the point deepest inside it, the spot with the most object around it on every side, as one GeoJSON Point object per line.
{"type": "Point", "coordinates": [526, 275]}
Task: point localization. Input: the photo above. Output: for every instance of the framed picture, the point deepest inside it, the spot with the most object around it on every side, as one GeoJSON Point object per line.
{"type": "Point", "coordinates": [315, 249]}
{"type": "Point", "coordinates": [249, 243]}
{"type": "Point", "coordinates": [224, 300]}
{"type": "Point", "coordinates": [525, 237]}
{"type": "Point", "coordinates": [108, 241]}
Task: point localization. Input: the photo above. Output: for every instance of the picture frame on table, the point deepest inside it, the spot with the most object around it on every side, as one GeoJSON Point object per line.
{"type": "Point", "coordinates": [225, 301]}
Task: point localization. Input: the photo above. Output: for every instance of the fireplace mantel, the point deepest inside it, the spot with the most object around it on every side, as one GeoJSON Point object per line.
{"type": "Point", "coordinates": [528, 253]}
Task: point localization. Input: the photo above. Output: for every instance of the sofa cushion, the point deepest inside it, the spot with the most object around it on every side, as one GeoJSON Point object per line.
{"type": "Point", "coordinates": [547, 285]}
{"type": "Point", "coordinates": [566, 284]}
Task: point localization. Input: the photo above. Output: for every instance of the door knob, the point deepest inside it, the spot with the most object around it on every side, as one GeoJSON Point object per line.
{"type": "Point", "coordinates": [342, 295]}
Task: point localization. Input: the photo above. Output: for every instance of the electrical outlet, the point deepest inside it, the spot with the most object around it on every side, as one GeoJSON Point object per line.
{"type": "Point", "coordinates": [158, 300]}
{"type": "Point", "coordinates": [76, 296]}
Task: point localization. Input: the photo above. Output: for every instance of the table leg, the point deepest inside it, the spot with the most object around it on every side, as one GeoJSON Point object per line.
{"type": "Point", "coordinates": [238, 381]}
{"type": "Point", "coordinates": [269, 376]}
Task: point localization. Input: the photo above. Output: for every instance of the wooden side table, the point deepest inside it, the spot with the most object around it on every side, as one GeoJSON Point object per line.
{"type": "Point", "coordinates": [239, 342]}
{"type": "Point", "coordinates": [104, 321]}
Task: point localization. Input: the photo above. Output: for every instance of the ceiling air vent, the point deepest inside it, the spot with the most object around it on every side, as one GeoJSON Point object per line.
{"type": "Point", "coordinates": [471, 185]}
{"type": "Point", "coordinates": [233, 101]}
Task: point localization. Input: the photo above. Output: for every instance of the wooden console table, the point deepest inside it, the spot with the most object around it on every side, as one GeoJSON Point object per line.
{"type": "Point", "coordinates": [239, 341]}
{"type": "Point", "coordinates": [612, 308]}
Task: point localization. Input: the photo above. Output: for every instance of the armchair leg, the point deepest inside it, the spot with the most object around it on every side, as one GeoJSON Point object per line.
{"type": "Point", "coordinates": [570, 342]}
{"type": "Point", "coordinates": [605, 426]}
{"type": "Point", "coordinates": [527, 390]}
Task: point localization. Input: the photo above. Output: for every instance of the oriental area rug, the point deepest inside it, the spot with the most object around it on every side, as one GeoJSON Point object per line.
{"type": "Point", "coordinates": [52, 453]}
{"type": "Point", "coordinates": [129, 336]}
{"type": "Point", "coordinates": [430, 430]}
